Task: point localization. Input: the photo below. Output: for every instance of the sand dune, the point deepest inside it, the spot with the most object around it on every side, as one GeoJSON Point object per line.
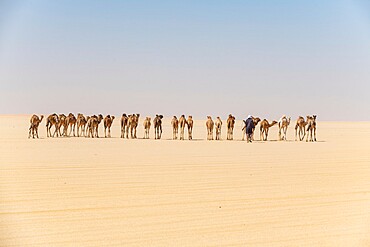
{"type": "Point", "coordinates": [115, 192]}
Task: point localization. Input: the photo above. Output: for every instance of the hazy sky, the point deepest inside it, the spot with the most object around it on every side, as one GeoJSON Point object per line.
{"type": "Point", "coordinates": [265, 58]}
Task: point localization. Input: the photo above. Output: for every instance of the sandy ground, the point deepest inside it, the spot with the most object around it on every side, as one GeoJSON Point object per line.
{"type": "Point", "coordinates": [115, 192]}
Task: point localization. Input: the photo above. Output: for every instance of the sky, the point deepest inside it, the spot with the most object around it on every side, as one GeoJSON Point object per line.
{"type": "Point", "coordinates": [265, 58]}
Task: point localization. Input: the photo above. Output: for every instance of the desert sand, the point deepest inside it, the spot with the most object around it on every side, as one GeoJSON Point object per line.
{"type": "Point", "coordinates": [118, 192]}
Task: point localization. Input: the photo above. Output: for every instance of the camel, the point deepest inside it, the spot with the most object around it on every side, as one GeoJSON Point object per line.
{"type": "Point", "coordinates": [256, 120]}
{"type": "Point", "coordinates": [218, 125]}
{"type": "Point", "coordinates": [81, 123]}
{"type": "Point", "coordinates": [71, 122]}
{"type": "Point", "coordinates": [190, 124]}
{"type": "Point", "coordinates": [157, 122]}
{"type": "Point", "coordinates": [311, 129]}
{"type": "Point", "coordinates": [182, 123]}
{"type": "Point", "coordinates": [34, 128]}
{"type": "Point", "coordinates": [52, 120]}
{"type": "Point", "coordinates": [209, 125]}
{"type": "Point", "coordinates": [264, 129]}
{"type": "Point", "coordinates": [93, 125]}
{"type": "Point", "coordinates": [124, 125]}
{"type": "Point", "coordinates": [62, 123]}
{"type": "Point", "coordinates": [175, 127]}
{"type": "Point", "coordinates": [147, 127]}
{"type": "Point", "coordinates": [230, 127]}
{"type": "Point", "coordinates": [283, 127]}
{"type": "Point", "coordinates": [108, 120]}
{"type": "Point", "coordinates": [300, 128]}
{"type": "Point", "coordinates": [133, 121]}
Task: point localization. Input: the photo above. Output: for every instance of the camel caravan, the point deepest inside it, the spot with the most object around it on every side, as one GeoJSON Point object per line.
{"type": "Point", "coordinates": [60, 125]}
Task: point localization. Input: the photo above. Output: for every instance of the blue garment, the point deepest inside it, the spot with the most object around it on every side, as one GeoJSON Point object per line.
{"type": "Point", "coordinates": [249, 125]}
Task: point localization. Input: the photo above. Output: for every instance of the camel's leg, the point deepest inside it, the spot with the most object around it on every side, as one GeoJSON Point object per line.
{"type": "Point", "coordinates": [285, 130]}
{"type": "Point", "coordinates": [105, 132]}
{"type": "Point", "coordinates": [261, 135]}
{"type": "Point", "coordinates": [308, 133]}
{"type": "Point", "coordinates": [314, 133]}
{"type": "Point", "coordinates": [266, 133]}
{"type": "Point", "coordinates": [29, 132]}
{"type": "Point", "coordinates": [279, 134]}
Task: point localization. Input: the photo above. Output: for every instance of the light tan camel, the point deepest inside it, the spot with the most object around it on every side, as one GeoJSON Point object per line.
{"type": "Point", "coordinates": [62, 123]}
{"type": "Point", "coordinates": [218, 126]}
{"type": "Point", "coordinates": [108, 121]}
{"type": "Point", "coordinates": [124, 126]}
{"type": "Point", "coordinates": [52, 120]}
{"type": "Point", "coordinates": [81, 123]}
{"type": "Point", "coordinates": [283, 127]}
{"type": "Point", "coordinates": [182, 123]}
{"type": "Point", "coordinates": [209, 124]}
{"type": "Point", "coordinates": [256, 120]}
{"type": "Point", "coordinates": [264, 129]}
{"type": "Point", "coordinates": [133, 121]}
{"type": "Point", "coordinates": [157, 122]}
{"type": "Point", "coordinates": [93, 125]}
{"type": "Point", "coordinates": [147, 125]}
{"type": "Point", "coordinates": [300, 127]}
{"type": "Point", "coordinates": [311, 129]}
{"type": "Point", "coordinates": [34, 127]}
{"type": "Point", "coordinates": [175, 127]}
{"type": "Point", "coordinates": [190, 124]}
{"type": "Point", "coordinates": [71, 122]}
{"type": "Point", "coordinates": [230, 127]}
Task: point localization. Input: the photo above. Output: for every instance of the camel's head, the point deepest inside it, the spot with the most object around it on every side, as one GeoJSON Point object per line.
{"type": "Point", "coordinates": [160, 116]}
{"type": "Point", "coordinates": [41, 117]}
{"type": "Point", "coordinates": [124, 115]}
{"type": "Point", "coordinates": [137, 115]}
{"type": "Point", "coordinates": [183, 116]}
{"type": "Point", "coordinates": [100, 117]}
{"type": "Point", "coordinates": [148, 118]}
{"type": "Point", "coordinates": [113, 117]}
{"type": "Point", "coordinates": [174, 117]}
{"type": "Point", "coordinates": [274, 122]}
{"type": "Point", "coordinates": [190, 117]}
{"type": "Point", "coordinates": [314, 117]}
{"type": "Point", "coordinates": [209, 117]}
